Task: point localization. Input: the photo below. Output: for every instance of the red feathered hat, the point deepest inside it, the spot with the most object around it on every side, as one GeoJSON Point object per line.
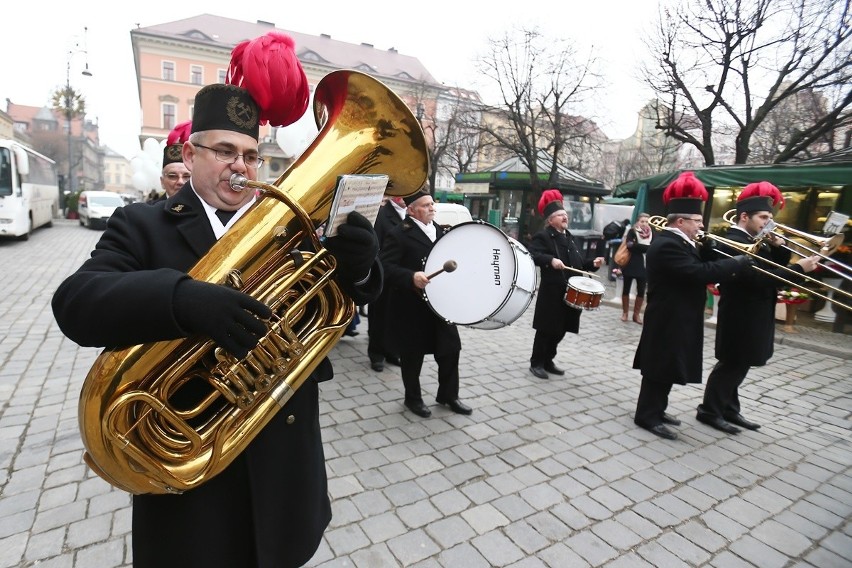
{"type": "Point", "coordinates": [685, 195]}
{"type": "Point", "coordinates": [174, 143]}
{"type": "Point", "coordinates": [759, 196]}
{"type": "Point", "coordinates": [265, 83]}
{"type": "Point", "coordinates": [550, 202]}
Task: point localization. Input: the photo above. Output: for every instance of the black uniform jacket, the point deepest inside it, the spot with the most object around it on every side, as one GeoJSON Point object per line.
{"type": "Point", "coordinates": [552, 314]}
{"type": "Point", "coordinates": [277, 487]}
{"type": "Point", "coordinates": [746, 329]}
{"type": "Point", "coordinates": [386, 220]}
{"type": "Point", "coordinates": [671, 346]}
{"type": "Point", "coordinates": [412, 325]}
{"type": "Point", "coordinates": [636, 266]}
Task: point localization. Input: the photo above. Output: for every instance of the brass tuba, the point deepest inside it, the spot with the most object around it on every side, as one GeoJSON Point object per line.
{"type": "Point", "coordinates": [165, 417]}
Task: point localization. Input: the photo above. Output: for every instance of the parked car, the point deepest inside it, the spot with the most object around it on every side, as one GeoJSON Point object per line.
{"type": "Point", "coordinates": [450, 214]}
{"type": "Point", "coordinates": [96, 207]}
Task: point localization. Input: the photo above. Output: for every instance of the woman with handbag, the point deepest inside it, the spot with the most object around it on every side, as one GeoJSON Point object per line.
{"type": "Point", "coordinates": [636, 240]}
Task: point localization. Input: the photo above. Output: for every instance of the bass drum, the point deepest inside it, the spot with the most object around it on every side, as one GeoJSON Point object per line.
{"type": "Point", "coordinates": [493, 283]}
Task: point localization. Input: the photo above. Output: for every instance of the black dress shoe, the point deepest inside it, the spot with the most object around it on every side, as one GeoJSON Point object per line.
{"type": "Point", "coordinates": [392, 360]}
{"type": "Point", "coordinates": [538, 372]}
{"type": "Point", "coordinates": [351, 333]}
{"type": "Point", "coordinates": [669, 419]}
{"type": "Point", "coordinates": [418, 408]}
{"type": "Point", "coordinates": [661, 431]}
{"type": "Point", "coordinates": [377, 366]}
{"type": "Point", "coordinates": [740, 421]}
{"type": "Point", "coordinates": [718, 423]}
{"type": "Point", "coordinates": [553, 369]}
{"type": "Point", "coordinates": [456, 406]}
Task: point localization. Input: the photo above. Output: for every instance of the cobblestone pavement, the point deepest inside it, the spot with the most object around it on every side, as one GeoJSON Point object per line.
{"type": "Point", "coordinates": [545, 473]}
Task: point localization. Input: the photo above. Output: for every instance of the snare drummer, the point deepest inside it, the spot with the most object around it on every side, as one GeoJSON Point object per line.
{"type": "Point", "coordinates": [553, 250]}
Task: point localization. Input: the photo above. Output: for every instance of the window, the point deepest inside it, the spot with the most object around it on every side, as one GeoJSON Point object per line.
{"type": "Point", "coordinates": [195, 75]}
{"type": "Point", "coordinates": [168, 70]}
{"type": "Point", "coordinates": [221, 78]}
{"type": "Point", "coordinates": [168, 116]}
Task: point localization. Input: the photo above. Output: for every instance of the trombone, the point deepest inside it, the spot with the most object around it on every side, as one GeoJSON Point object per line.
{"type": "Point", "coordinates": [659, 223]}
{"type": "Point", "coordinates": [826, 246]}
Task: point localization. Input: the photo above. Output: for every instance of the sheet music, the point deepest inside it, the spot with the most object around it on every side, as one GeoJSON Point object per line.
{"type": "Point", "coordinates": [361, 193]}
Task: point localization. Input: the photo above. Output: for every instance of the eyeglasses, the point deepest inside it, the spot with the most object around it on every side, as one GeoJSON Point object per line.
{"type": "Point", "coordinates": [174, 177]}
{"type": "Point", "coordinates": [693, 219]}
{"type": "Point", "coordinates": [230, 156]}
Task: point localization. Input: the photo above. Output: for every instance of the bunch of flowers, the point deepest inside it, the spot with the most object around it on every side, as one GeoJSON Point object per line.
{"type": "Point", "coordinates": [792, 296]}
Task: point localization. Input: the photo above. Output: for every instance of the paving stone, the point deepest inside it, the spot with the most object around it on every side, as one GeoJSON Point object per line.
{"type": "Point", "coordinates": [591, 548]}
{"type": "Point", "coordinates": [752, 550]}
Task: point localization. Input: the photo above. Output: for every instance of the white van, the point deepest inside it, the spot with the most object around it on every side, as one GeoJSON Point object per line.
{"type": "Point", "coordinates": [96, 207]}
{"type": "Point", "coordinates": [451, 214]}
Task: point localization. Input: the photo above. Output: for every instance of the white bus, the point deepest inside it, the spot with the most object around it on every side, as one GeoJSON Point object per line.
{"type": "Point", "coordinates": [29, 192]}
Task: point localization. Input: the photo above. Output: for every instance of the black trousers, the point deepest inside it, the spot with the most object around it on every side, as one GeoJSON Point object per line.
{"type": "Point", "coordinates": [652, 403]}
{"type": "Point", "coordinates": [448, 375]}
{"type": "Point", "coordinates": [377, 329]}
{"type": "Point", "coordinates": [544, 348]}
{"type": "Point", "coordinates": [720, 395]}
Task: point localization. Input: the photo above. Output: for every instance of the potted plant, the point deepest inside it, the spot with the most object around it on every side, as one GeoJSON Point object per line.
{"type": "Point", "coordinates": [71, 201]}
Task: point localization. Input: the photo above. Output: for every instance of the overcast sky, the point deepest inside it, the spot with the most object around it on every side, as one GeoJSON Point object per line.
{"type": "Point", "coordinates": [446, 36]}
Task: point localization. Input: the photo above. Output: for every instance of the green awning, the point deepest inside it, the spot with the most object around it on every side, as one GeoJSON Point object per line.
{"type": "Point", "coordinates": [784, 176]}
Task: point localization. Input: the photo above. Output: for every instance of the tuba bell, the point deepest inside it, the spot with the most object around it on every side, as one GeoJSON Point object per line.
{"type": "Point", "coordinates": [165, 417]}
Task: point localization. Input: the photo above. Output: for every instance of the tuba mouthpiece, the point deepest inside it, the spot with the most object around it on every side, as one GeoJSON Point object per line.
{"type": "Point", "coordinates": [238, 182]}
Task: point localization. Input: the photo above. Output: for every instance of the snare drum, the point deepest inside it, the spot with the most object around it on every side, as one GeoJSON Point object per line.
{"type": "Point", "coordinates": [584, 293]}
{"type": "Point", "coordinates": [493, 283]}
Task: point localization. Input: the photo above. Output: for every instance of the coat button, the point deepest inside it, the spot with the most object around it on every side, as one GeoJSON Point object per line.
{"type": "Point", "coordinates": [291, 419]}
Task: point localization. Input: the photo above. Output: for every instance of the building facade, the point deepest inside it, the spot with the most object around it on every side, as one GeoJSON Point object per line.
{"type": "Point", "coordinates": [175, 59]}
{"type": "Point", "coordinates": [77, 154]}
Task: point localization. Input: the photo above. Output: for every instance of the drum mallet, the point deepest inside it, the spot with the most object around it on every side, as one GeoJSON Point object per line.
{"type": "Point", "coordinates": [583, 272]}
{"type": "Point", "coordinates": [449, 266]}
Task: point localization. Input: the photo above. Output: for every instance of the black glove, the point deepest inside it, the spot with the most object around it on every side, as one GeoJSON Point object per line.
{"type": "Point", "coordinates": [355, 247]}
{"type": "Point", "coordinates": [745, 260]}
{"type": "Point", "coordinates": [230, 318]}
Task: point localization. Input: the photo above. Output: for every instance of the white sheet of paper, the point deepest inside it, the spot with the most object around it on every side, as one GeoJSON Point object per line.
{"type": "Point", "coordinates": [361, 193]}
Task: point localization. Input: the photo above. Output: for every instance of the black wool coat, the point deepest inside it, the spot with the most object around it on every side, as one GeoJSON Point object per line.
{"type": "Point", "coordinates": [552, 314]}
{"type": "Point", "coordinates": [277, 488]}
{"type": "Point", "coordinates": [386, 220]}
{"type": "Point", "coordinates": [412, 325]}
{"type": "Point", "coordinates": [745, 332]}
{"type": "Point", "coordinates": [671, 346]}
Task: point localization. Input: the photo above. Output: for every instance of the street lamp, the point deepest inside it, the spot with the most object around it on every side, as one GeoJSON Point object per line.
{"type": "Point", "coordinates": [69, 100]}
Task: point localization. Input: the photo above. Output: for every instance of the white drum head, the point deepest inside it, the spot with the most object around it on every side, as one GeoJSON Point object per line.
{"type": "Point", "coordinates": [483, 279]}
{"type": "Point", "coordinates": [584, 284]}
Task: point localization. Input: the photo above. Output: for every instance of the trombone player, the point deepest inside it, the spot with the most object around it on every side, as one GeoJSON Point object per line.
{"type": "Point", "coordinates": [745, 332]}
{"type": "Point", "coordinates": [671, 346]}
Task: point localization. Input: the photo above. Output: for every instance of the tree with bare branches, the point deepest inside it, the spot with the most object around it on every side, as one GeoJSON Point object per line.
{"type": "Point", "coordinates": [450, 120]}
{"type": "Point", "coordinates": [538, 80]}
{"type": "Point", "coordinates": [733, 63]}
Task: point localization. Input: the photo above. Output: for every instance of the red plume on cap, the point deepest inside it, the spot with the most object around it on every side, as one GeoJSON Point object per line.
{"type": "Point", "coordinates": [267, 67]}
{"type": "Point", "coordinates": [763, 189]}
{"type": "Point", "coordinates": [179, 133]}
{"type": "Point", "coordinates": [549, 196]}
{"type": "Point", "coordinates": [685, 186]}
